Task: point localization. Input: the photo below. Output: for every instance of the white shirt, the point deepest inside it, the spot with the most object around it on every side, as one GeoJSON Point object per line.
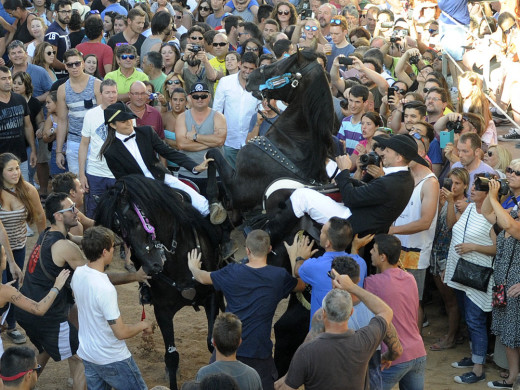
{"type": "Point", "coordinates": [96, 298]}
{"type": "Point", "coordinates": [94, 128]}
{"type": "Point", "coordinates": [238, 106]}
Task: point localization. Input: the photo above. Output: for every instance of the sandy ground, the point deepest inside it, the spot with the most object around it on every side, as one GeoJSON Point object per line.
{"type": "Point", "coordinates": [190, 336]}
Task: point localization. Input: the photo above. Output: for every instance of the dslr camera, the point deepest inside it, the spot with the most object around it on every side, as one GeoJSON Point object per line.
{"type": "Point", "coordinates": [414, 60]}
{"type": "Point", "coordinates": [456, 126]}
{"type": "Point", "coordinates": [195, 49]}
{"type": "Point", "coordinates": [371, 158]}
{"type": "Point", "coordinates": [482, 184]}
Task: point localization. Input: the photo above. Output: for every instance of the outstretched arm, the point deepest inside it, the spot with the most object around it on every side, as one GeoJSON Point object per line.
{"type": "Point", "coordinates": [194, 265]}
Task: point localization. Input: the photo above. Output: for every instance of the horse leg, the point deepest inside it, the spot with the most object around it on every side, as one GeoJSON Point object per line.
{"type": "Point", "coordinates": [211, 308]}
{"type": "Point", "coordinates": [225, 171]}
{"type": "Point", "coordinates": [164, 316]}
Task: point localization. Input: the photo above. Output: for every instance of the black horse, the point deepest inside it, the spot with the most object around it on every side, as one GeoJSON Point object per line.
{"type": "Point", "coordinates": [296, 146]}
{"type": "Point", "coordinates": [161, 227]}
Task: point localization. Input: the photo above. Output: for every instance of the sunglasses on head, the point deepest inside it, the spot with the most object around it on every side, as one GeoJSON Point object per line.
{"type": "Point", "coordinates": [284, 13]}
{"type": "Point", "coordinates": [511, 171]}
{"type": "Point", "coordinates": [335, 21]}
{"type": "Point", "coordinates": [200, 97]}
{"type": "Point", "coordinates": [8, 379]}
{"type": "Point", "coordinates": [205, 9]}
{"type": "Point", "coordinates": [170, 82]}
{"type": "Point", "coordinates": [127, 57]}
{"type": "Point", "coordinates": [311, 28]}
{"type": "Point", "coordinates": [221, 44]}
{"type": "Point", "coordinates": [387, 130]}
{"type": "Point", "coordinates": [75, 64]}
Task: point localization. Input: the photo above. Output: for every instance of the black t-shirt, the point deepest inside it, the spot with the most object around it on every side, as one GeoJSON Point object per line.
{"type": "Point", "coordinates": [120, 38]}
{"type": "Point", "coordinates": [35, 107]}
{"type": "Point", "coordinates": [12, 135]}
{"type": "Point", "coordinates": [76, 37]}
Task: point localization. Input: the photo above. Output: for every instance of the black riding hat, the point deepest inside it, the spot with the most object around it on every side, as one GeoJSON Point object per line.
{"type": "Point", "coordinates": [118, 112]}
{"type": "Point", "coordinates": [403, 144]}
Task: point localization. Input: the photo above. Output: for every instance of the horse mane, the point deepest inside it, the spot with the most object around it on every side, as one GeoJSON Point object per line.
{"type": "Point", "coordinates": [155, 199]}
{"type": "Point", "coordinates": [318, 111]}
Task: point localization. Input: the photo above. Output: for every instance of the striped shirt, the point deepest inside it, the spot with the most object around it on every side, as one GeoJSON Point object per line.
{"type": "Point", "coordinates": [477, 231]}
{"type": "Point", "coordinates": [78, 104]}
{"type": "Point", "coordinates": [350, 133]}
{"type": "Point", "coordinates": [16, 227]}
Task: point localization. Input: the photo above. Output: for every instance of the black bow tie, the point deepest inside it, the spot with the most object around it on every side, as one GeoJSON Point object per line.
{"type": "Point", "coordinates": [129, 137]}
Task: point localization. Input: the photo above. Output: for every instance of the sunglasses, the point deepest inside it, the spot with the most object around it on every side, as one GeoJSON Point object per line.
{"type": "Point", "coordinates": [337, 22]}
{"type": "Point", "coordinates": [432, 30]}
{"type": "Point", "coordinates": [170, 82]}
{"type": "Point", "coordinates": [205, 9]}
{"type": "Point", "coordinates": [50, 53]}
{"type": "Point", "coordinates": [243, 33]}
{"type": "Point", "coordinates": [196, 38]}
{"type": "Point", "coordinates": [93, 12]}
{"type": "Point", "coordinates": [511, 171]}
{"type": "Point", "coordinates": [71, 208]}
{"type": "Point", "coordinates": [178, 16]}
{"type": "Point", "coordinates": [200, 97]}
{"type": "Point", "coordinates": [251, 49]}
{"type": "Point", "coordinates": [127, 57]}
{"type": "Point", "coordinates": [400, 91]}
{"type": "Point", "coordinates": [311, 28]}
{"type": "Point", "coordinates": [490, 153]}
{"type": "Point", "coordinates": [284, 13]}
{"type": "Point", "coordinates": [38, 370]}
{"type": "Point", "coordinates": [387, 130]}
{"type": "Point", "coordinates": [221, 44]}
{"type": "Point", "coordinates": [75, 64]}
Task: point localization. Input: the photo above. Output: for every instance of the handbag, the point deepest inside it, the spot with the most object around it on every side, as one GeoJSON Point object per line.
{"type": "Point", "coordinates": [499, 297]}
{"type": "Point", "coordinates": [470, 274]}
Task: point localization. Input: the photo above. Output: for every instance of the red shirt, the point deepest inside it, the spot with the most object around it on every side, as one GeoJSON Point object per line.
{"type": "Point", "coordinates": [103, 52]}
{"type": "Point", "coordinates": [152, 117]}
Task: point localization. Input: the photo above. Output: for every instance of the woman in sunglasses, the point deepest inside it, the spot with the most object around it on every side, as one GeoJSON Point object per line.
{"type": "Point", "coordinates": [19, 205]}
{"type": "Point", "coordinates": [44, 56]}
{"type": "Point", "coordinates": [498, 158]}
{"type": "Point", "coordinates": [285, 14]}
{"type": "Point", "coordinates": [307, 33]}
{"type": "Point", "coordinates": [202, 11]}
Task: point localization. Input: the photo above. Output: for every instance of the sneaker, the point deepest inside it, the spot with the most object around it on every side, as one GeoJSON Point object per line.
{"type": "Point", "coordinates": [464, 363]}
{"type": "Point", "coordinates": [500, 385]}
{"type": "Point", "coordinates": [511, 136]}
{"type": "Point", "coordinates": [30, 232]}
{"type": "Point", "coordinates": [425, 323]}
{"type": "Point", "coordinates": [469, 377]}
{"type": "Point", "coordinates": [16, 337]}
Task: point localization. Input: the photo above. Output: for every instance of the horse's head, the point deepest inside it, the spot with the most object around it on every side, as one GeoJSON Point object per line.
{"type": "Point", "coordinates": [133, 225]}
{"type": "Point", "coordinates": [281, 80]}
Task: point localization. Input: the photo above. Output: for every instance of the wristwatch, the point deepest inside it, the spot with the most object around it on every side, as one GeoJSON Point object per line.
{"type": "Point", "coordinates": [195, 137]}
{"type": "Point", "coordinates": [299, 258]}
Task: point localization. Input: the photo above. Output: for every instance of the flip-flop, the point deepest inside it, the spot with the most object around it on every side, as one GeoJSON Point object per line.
{"type": "Point", "coordinates": [440, 347]}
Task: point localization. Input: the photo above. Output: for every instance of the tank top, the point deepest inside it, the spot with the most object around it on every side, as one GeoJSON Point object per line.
{"type": "Point", "coordinates": [205, 128]}
{"type": "Point", "coordinates": [37, 285]}
{"type": "Point", "coordinates": [78, 104]}
{"type": "Point", "coordinates": [22, 33]}
{"type": "Point", "coordinates": [422, 241]}
{"type": "Point", "coordinates": [15, 225]}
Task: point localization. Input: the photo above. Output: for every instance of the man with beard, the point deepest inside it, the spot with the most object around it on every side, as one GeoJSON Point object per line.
{"type": "Point", "coordinates": [58, 36]}
{"type": "Point", "coordinates": [325, 14]}
{"type": "Point", "coordinates": [132, 33]}
{"type": "Point", "coordinates": [194, 64]}
{"type": "Point", "coordinates": [436, 102]}
{"type": "Point", "coordinates": [237, 105]}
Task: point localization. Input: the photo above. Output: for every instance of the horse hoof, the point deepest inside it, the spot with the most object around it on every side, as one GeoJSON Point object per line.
{"type": "Point", "coordinates": [217, 213]}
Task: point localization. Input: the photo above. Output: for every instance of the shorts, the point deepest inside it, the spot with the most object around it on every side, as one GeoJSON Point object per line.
{"type": "Point", "coordinates": [58, 339]}
{"type": "Point", "coordinates": [43, 154]}
{"type": "Point", "coordinates": [420, 276]}
{"type": "Point", "coordinates": [453, 39]}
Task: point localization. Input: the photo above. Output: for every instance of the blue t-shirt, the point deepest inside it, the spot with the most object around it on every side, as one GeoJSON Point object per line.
{"type": "Point", "coordinates": [41, 80]}
{"type": "Point", "coordinates": [314, 272]}
{"type": "Point", "coordinates": [58, 37]}
{"type": "Point", "coordinates": [336, 51]}
{"type": "Point", "coordinates": [434, 152]}
{"type": "Point", "coordinates": [253, 294]}
{"type": "Point", "coordinates": [117, 8]}
{"type": "Point", "coordinates": [251, 4]}
{"type": "Point", "coordinates": [263, 127]}
{"type": "Point", "coordinates": [457, 9]}
{"type": "Point", "coordinates": [213, 21]}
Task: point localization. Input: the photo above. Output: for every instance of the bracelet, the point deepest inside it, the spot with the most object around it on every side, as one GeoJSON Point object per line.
{"type": "Point", "coordinates": [299, 258]}
{"type": "Point", "coordinates": [57, 290]}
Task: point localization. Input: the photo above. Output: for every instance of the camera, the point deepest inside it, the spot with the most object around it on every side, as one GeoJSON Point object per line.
{"type": "Point", "coordinates": [447, 183]}
{"type": "Point", "coordinates": [414, 60]}
{"type": "Point", "coordinates": [397, 35]}
{"type": "Point", "coordinates": [371, 158]}
{"type": "Point", "coordinates": [344, 104]}
{"type": "Point", "coordinates": [482, 184]}
{"type": "Point", "coordinates": [345, 61]}
{"type": "Point", "coordinates": [456, 126]}
{"type": "Point", "coordinates": [153, 96]}
{"type": "Point", "coordinates": [195, 49]}
{"type": "Point", "coordinates": [306, 14]}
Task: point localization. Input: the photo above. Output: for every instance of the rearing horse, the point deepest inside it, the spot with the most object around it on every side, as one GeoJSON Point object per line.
{"type": "Point", "coordinates": [297, 145]}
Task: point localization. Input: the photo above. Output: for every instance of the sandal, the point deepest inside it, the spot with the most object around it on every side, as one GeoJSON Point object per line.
{"type": "Point", "coordinates": [440, 347]}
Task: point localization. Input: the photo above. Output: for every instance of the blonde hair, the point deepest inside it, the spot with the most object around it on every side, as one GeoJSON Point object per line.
{"type": "Point", "coordinates": [515, 163]}
{"type": "Point", "coordinates": [479, 101]}
{"type": "Point", "coordinates": [504, 157]}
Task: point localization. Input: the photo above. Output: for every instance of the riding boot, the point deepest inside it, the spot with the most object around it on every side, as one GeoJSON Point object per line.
{"type": "Point", "coordinates": [282, 222]}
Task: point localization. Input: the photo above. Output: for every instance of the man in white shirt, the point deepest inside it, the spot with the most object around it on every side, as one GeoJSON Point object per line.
{"type": "Point", "coordinates": [105, 355]}
{"type": "Point", "coordinates": [94, 174]}
{"type": "Point", "coordinates": [237, 105]}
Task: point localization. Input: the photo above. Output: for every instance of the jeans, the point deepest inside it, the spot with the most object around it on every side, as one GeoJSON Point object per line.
{"type": "Point", "coordinates": [19, 259]}
{"type": "Point", "coordinates": [476, 319]}
{"type": "Point", "coordinates": [409, 375]}
{"type": "Point", "coordinates": [231, 155]}
{"type": "Point", "coordinates": [97, 187]}
{"type": "Point", "coordinates": [122, 375]}
{"type": "Point", "coordinates": [24, 170]}
{"type": "Point", "coordinates": [73, 157]}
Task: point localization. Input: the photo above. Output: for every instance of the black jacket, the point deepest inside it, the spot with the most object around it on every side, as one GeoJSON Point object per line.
{"type": "Point", "coordinates": [377, 204]}
{"type": "Point", "coordinates": [122, 163]}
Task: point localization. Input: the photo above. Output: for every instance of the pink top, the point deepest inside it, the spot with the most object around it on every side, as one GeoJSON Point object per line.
{"type": "Point", "coordinates": [362, 142]}
{"type": "Point", "coordinates": [399, 290]}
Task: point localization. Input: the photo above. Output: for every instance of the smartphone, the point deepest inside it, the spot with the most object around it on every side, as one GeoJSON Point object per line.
{"type": "Point", "coordinates": [447, 183]}
{"type": "Point", "coordinates": [391, 91]}
{"type": "Point", "coordinates": [331, 275]}
{"type": "Point", "coordinates": [345, 61]}
{"type": "Point", "coordinates": [446, 137]}
{"type": "Point", "coordinates": [306, 14]}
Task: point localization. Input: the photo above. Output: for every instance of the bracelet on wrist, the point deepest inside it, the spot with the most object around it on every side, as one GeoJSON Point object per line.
{"type": "Point", "coordinates": [56, 289]}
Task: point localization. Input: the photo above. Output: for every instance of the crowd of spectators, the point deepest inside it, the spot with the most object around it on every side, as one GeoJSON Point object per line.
{"type": "Point", "coordinates": [419, 88]}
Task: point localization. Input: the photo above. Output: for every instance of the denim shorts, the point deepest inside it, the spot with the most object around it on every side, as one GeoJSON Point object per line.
{"type": "Point", "coordinates": [122, 375]}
